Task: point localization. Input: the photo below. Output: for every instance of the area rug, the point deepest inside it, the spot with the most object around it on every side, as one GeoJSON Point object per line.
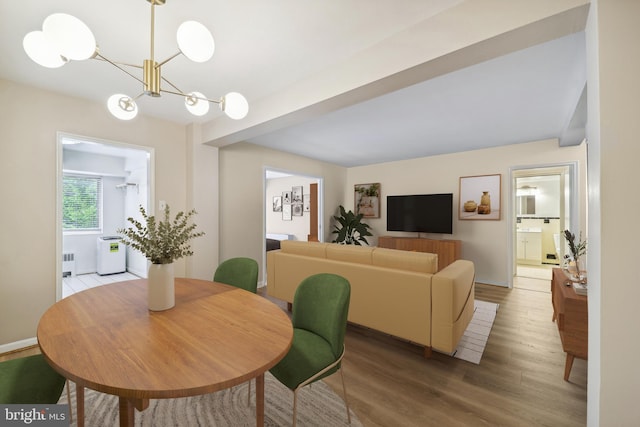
{"type": "Point", "coordinates": [318, 405]}
{"type": "Point", "coordinates": [474, 340]}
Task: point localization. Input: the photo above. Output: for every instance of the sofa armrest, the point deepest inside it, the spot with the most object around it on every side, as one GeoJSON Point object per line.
{"type": "Point", "coordinates": [452, 304]}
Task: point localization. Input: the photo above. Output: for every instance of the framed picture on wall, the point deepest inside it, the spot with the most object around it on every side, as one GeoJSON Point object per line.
{"type": "Point", "coordinates": [480, 197]}
{"type": "Point", "coordinates": [296, 209]}
{"type": "Point", "coordinates": [286, 198]}
{"type": "Point", "coordinates": [306, 202]}
{"type": "Point", "coordinates": [286, 212]}
{"type": "Point", "coordinates": [277, 203]}
{"type": "Point", "coordinates": [367, 200]}
{"type": "Point", "coordinates": [296, 194]}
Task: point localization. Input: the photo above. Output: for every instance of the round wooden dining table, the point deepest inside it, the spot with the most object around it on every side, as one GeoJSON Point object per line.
{"type": "Point", "coordinates": [215, 337]}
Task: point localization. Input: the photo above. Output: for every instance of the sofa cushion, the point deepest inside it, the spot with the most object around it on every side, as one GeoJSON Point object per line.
{"type": "Point", "coordinates": [349, 253]}
{"type": "Point", "coordinates": [420, 262]}
{"type": "Point", "coordinates": [312, 249]}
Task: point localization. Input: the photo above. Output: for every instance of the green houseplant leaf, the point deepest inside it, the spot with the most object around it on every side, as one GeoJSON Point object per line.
{"type": "Point", "coordinates": [350, 229]}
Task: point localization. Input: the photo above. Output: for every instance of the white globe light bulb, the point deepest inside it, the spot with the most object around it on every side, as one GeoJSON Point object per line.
{"type": "Point", "coordinates": [195, 41]}
{"type": "Point", "coordinates": [41, 50]}
{"type": "Point", "coordinates": [70, 35]}
{"type": "Point", "coordinates": [196, 103]}
{"type": "Point", "coordinates": [235, 105]}
{"type": "Point", "coordinates": [122, 106]}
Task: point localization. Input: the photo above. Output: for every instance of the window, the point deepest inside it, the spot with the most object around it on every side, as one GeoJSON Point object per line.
{"type": "Point", "coordinates": [81, 203]}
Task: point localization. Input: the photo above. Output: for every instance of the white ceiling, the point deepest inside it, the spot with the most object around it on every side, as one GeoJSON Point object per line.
{"type": "Point", "coordinates": [264, 47]}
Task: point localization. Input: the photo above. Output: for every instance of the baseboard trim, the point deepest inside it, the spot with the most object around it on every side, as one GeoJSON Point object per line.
{"type": "Point", "coordinates": [18, 345]}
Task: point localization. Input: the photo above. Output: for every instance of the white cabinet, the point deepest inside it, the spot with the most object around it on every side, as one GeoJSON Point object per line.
{"type": "Point", "coordinates": [529, 247]}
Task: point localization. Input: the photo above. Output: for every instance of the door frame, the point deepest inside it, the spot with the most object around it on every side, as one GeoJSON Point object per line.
{"type": "Point", "coordinates": [569, 190]}
{"type": "Point", "coordinates": [62, 136]}
{"type": "Point", "coordinates": [320, 182]}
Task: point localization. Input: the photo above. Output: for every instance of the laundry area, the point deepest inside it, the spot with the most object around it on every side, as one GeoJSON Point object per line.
{"type": "Point", "coordinates": [114, 180]}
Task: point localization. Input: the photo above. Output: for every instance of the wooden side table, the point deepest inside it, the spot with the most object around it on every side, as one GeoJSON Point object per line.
{"type": "Point", "coordinates": [572, 317]}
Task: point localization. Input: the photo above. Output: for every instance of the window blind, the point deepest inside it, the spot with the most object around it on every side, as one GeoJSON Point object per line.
{"type": "Point", "coordinates": [81, 204]}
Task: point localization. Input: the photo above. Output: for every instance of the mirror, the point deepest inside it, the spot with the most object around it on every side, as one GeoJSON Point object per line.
{"type": "Point", "coordinates": [526, 205]}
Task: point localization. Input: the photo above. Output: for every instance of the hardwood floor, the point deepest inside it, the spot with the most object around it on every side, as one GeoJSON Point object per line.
{"type": "Point", "coordinates": [519, 381]}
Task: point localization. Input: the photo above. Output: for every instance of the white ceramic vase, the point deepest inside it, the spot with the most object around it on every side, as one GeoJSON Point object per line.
{"type": "Point", "coordinates": [161, 288]}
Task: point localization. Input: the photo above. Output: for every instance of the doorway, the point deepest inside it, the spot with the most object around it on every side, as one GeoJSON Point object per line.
{"type": "Point", "coordinates": [293, 209]}
{"type": "Point", "coordinates": [544, 201]}
{"type": "Point", "coordinates": [122, 174]}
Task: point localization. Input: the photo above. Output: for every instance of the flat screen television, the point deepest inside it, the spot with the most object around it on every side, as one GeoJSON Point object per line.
{"type": "Point", "coordinates": [424, 213]}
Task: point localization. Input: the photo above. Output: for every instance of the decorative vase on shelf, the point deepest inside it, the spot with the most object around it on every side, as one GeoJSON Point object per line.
{"type": "Point", "coordinates": [574, 271]}
{"type": "Point", "coordinates": [161, 288]}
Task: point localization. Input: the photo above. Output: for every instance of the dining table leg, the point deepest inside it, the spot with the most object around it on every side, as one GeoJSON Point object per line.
{"type": "Point", "coordinates": [127, 415]}
{"type": "Point", "coordinates": [79, 405]}
{"type": "Point", "coordinates": [260, 400]}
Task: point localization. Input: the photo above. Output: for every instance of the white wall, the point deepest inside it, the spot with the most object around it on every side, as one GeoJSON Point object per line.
{"type": "Point", "coordinates": [242, 199]}
{"type": "Point", "coordinates": [29, 161]}
{"type": "Point", "coordinates": [299, 225]}
{"type": "Point", "coordinates": [614, 282]}
{"type": "Point", "coordinates": [134, 197]}
{"type": "Point", "coordinates": [486, 243]}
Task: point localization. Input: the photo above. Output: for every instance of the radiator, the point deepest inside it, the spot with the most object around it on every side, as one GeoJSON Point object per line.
{"type": "Point", "coordinates": [68, 264]}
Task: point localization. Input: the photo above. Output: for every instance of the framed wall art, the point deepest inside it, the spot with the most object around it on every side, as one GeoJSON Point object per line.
{"type": "Point", "coordinates": [480, 197]}
{"type": "Point", "coordinates": [367, 200]}
{"type": "Point", "coordinates": [286, 205]}
{"type": "Point", "coordinates": [277, 203]}
{"type": "Point", "coordinates": [286, 212]}
{"type": "Point", "coordinates": [306, 202]}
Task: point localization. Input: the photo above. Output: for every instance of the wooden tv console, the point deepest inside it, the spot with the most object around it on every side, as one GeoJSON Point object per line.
{"type": "Point", "coordinates": [570, 312]}
{"type": "Point", "coordinates": [447, 250]}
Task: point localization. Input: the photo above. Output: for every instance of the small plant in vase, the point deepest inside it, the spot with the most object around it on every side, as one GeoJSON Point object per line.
{"type": "Point", "coordinates": [577, 250]}
{"type": "Point", "coordinates": [161, 241]}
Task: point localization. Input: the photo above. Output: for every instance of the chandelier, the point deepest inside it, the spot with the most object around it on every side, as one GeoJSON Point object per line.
{"type": "Point", "coordinates": [65, 38]}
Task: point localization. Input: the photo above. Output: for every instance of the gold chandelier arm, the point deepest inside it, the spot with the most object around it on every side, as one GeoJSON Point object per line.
{"type": "Point", "coordinates": [172, 85]}
{"type": "Point", "coordinates": [168, 59]}
{"type": "Point", "coordinates": [115, 64]}
{"type": "Point", "coordinates": [180, 93]}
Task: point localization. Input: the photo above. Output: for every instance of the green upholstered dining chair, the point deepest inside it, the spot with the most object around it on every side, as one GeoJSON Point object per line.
{"type": "Point", "coordinates": [319, 317]}
{"type": "Point", "coordinates": [240, 272]}
{"type": "Point", "coordinates": [29, 380]}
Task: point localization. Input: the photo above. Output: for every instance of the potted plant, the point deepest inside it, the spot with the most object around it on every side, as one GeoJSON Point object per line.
{"type": "Point", "coordinates": [350, 229]}
{"type": "Point", "coordinates": [162, 242]}
{"type": "Point", "coordinates": [577, 250]}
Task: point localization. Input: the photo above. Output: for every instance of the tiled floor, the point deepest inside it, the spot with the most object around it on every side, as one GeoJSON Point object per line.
{"type": "Point", "coordinates": [71, 285]}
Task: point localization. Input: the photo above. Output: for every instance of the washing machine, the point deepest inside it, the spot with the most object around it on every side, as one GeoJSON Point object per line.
{"type": "Point", "coordinates": [112, 255]}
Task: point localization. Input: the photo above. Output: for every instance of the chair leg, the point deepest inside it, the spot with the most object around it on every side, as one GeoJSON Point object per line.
{"type": "Point", "coordinates": [344, 392]}
{"type": "Point", "coordinates": [69, 401]}
{"type": "Point", "coordinates": [295, 407]}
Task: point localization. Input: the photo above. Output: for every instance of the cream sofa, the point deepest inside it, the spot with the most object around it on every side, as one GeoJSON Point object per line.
{"type": "Point", "coordinates": [393, 291]}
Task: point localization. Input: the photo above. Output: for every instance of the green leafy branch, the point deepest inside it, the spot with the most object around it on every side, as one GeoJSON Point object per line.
{"type": "Point", "coordinates": [577, 250]}
{"type": "Point", "coordinates": [162, 241]}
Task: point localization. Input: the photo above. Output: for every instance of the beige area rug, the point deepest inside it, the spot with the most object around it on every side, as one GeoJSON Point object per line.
{"type": "Point", "coordinates": [474, 340]}
{"type": "Point", "coordinates": [318, 405]}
